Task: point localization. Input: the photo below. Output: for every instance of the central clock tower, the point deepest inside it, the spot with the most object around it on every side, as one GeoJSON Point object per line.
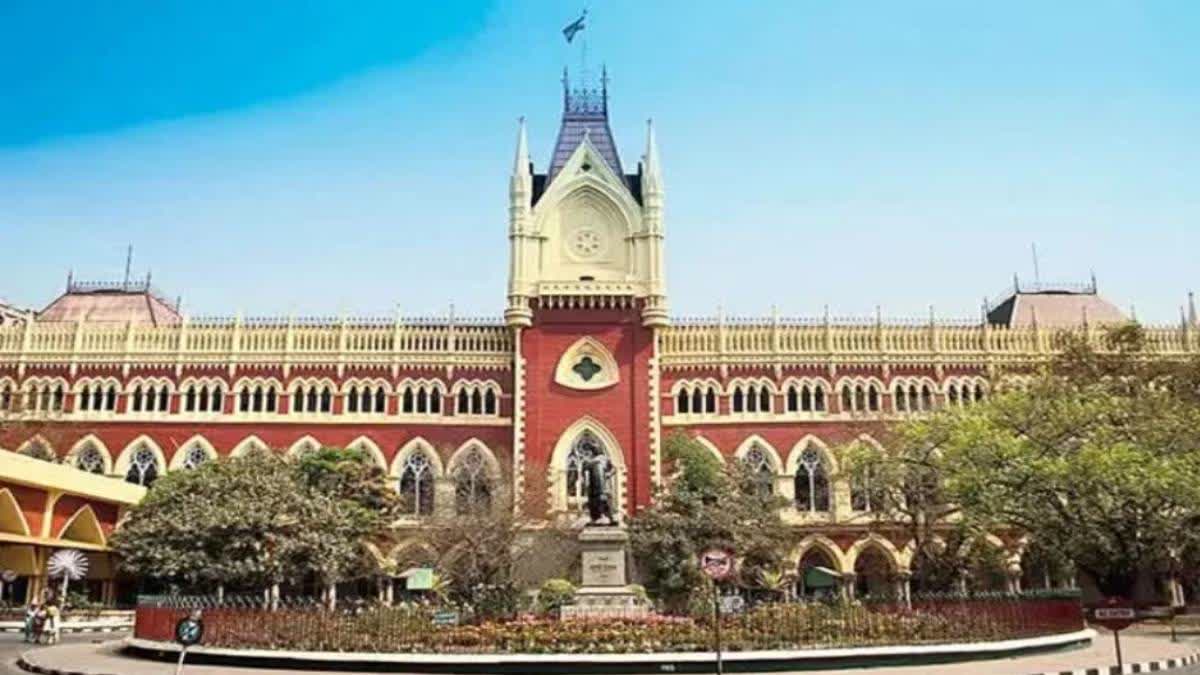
{"type": "Point", "coordinates": [585, 296]}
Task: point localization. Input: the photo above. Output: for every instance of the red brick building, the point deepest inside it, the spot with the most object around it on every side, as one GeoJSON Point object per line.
{"type": "Point", "coordinates": [459, 412]}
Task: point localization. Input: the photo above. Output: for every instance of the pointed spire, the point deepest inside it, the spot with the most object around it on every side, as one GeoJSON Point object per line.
{"type": "Point", "coordinates": [1191, 308]}
{"type": "Point", "coordinates": [651, 171]}
{"type": "Point", "coordinates": [521, 161]}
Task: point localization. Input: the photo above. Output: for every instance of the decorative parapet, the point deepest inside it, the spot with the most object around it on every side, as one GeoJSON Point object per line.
{"type": "Point", "coordinates": [694, 343]}
{"type": "Point", "coordinates": [261, 341]}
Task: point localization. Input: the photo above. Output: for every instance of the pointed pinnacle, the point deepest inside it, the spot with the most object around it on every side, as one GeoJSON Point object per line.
{"type": "Point", "coordinates": [521, 161]}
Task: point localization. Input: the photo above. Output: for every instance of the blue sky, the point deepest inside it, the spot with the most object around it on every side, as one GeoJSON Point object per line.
{"type": "Point", "coordinates": [321, 157]}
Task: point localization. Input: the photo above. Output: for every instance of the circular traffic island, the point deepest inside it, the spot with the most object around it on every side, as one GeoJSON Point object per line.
{"type": "Point", "coordinates": [791, 636]}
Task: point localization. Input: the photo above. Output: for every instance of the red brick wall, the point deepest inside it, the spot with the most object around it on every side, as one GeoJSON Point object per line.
{"type": "Point", "coordinates": [622, 408]}
{"type": "Point", "coordinates": [390, 437]}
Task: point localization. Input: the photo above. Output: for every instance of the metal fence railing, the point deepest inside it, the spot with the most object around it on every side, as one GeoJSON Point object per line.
{"type": "Point", "coordinates": [359, 625]}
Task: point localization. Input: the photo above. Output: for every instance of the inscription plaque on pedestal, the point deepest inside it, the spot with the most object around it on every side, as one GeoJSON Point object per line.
{"type": "Point", "coordinates": [605, 590]}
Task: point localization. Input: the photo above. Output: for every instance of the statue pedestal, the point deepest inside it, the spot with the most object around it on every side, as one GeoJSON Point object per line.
{"type": "Point", "coordinates": [604, 592]}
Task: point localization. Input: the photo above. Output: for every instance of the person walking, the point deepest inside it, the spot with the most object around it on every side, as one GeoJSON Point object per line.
{"type": "Point", "coordinates": [31, 613]}
{"type": "Point", "coordinates": [53, 623]}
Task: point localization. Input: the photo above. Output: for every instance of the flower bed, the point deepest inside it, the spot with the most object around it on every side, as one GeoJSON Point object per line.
{"type": "Point", "coordinates": [783, 626]}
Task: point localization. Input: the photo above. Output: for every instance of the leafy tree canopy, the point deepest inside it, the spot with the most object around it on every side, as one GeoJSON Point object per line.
{"type": "Point", "coordinates": [1098, 454]}
{"type": "Point", "coordinates": [250, 521]}
{"type": "Point", "coordinates": [706, 504]}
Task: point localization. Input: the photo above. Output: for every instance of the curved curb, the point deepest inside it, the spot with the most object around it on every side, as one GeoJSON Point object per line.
{"type": "Point", "coordinates": [97, 628]}
{"type": "Point", "coordinates": [24, 664]}
{"type": "Point", "coordinates": [1143, 667]}
{"type": "Point", "coordinates": [612, 664]}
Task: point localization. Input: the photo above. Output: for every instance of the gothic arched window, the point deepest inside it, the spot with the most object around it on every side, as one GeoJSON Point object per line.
{"type": "Point", "coordinates": [143, 468]}
{"type": "Point", "coordinates": [812, 482]}
{"type": "Point", "coordinates": [472, 484]}
{"type": "Point", "coordinates": [416, 485]}
{"type": "Point", "coordinates": [864, 495]}
{"type": "Point", "coordinates": [681, 403]}
{"type": "Point", "coordinates": [577, 479]}
{"type": "Point", "coordinates": [38, 450]}
{"type": "Point", "coordinates": [489, 402]}
{"type": "Point", "coordinates": [195, 456]}
{"type": "Point", "coordinates": [762, 473]}
{"type": "Point", "coordinates": [90, 459]}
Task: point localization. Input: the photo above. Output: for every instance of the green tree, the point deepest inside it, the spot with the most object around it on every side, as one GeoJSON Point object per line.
{"type": "Point", "coordinates": [256, 521]}
{"type": "Point", "coordinates": [350, 474]}
{"type": "Point", "coordinates": [235, 522]}
{"type": "Point", "coordinates": [1098, 454]}
{"type": "Point", "coordinates": [484, 553]}
{"type": "Point", "coordinates": [705, 505]}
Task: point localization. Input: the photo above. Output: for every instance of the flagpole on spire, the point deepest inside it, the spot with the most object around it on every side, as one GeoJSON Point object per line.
{"type": "Point", "coordinates": [569, 32]}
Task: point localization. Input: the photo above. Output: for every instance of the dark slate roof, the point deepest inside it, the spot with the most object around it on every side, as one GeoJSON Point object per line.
{"type": "Point", "coordinates": [584, 111]}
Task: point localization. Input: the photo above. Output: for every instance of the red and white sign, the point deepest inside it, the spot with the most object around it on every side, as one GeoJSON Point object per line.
{"type": "Point", "coordinates": [717, 563]}
{"type": "Point", "coordinates": [1115, 615]}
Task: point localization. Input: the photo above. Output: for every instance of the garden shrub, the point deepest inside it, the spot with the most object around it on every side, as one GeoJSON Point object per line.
{"type": "Point", "coordinates": [555, 593]}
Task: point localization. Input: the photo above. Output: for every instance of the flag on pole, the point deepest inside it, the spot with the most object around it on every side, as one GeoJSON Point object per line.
{"type": "Point", "coordinates": [574, 27]}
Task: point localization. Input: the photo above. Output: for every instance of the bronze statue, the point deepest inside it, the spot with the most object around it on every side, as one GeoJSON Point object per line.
{"type": "Point", "coordinates": [598, 469]}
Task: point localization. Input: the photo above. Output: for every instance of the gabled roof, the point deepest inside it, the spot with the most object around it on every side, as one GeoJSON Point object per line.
{"type": "Point", "coordinates": [98, 302]}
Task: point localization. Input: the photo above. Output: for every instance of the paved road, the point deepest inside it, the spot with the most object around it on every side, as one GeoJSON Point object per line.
{"type": "Point", "coordinates": [12, 646]}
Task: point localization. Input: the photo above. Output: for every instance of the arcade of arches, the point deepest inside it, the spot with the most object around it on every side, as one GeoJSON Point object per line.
{"type": "Point", "coordinates": [46, 507]}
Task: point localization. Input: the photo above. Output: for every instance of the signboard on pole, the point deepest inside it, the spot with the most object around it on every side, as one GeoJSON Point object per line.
{"type": "Point", "coordinates": [1114, 618]}
{"type": "Point", "coordinates": [717, 563]}
{"type": "Point", "coordinates": [1116, 614]}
